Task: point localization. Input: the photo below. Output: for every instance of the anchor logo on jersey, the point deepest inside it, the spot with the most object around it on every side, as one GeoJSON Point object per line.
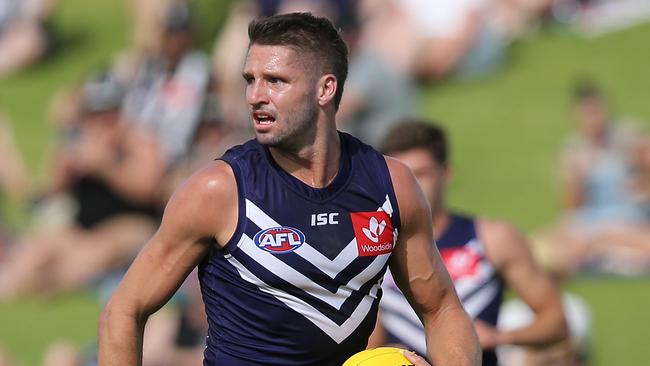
{"type": "Point", "coordinates": [279, 240]}
{"type": "Point", "coordinates": [374, 232]}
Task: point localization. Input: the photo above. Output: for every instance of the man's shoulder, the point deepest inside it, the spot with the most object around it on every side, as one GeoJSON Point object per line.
{"type": "Point", "coordinates": [495, 227]}
{"type": "Point", "coordinates": [401, 176]}
{"type": "Point", "coordinates": [501, 239]}
{"type": "Point", "coordinates": [397, 168]}
{"type": "Point", "coordinates": [215, 179]}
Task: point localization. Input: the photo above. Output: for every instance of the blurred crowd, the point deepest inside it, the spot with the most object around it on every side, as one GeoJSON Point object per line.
{"type": "Point", "coordinates": [130, 133]}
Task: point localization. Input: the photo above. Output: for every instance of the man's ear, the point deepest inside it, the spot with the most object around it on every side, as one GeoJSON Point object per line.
{"type": "Point", "coordinates": [326, 89]}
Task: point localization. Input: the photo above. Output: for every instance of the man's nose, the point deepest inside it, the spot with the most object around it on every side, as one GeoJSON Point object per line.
{"type": "Point", "coordinates": [257, 93]}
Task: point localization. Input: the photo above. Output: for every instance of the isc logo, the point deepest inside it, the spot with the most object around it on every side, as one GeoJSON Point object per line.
{"type": "Point", "coordinates": [279, 240]}
{"type": "Point", "coordinates": [324, 219]}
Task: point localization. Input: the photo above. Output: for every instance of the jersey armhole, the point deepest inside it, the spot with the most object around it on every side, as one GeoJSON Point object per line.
{"type": "Point", "coordinates": [231, 244]}
{"type": "Point", "coordinates": [388, 182]}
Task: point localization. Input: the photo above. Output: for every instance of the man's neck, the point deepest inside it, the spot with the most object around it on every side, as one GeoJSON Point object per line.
{"type": "Point", "coordinates": [441, 221]}
{"type": "Point", "coordinates": [315, 164]}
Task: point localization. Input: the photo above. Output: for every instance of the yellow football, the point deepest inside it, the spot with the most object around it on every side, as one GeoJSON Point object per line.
{"type": "Point", "coordinates": [381, 356]}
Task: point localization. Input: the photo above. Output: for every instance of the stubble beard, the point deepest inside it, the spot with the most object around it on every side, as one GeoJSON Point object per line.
{"type": "Point", "coordinates": [299, 129]}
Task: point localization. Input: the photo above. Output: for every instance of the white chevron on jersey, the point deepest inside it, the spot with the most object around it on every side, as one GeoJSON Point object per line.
{"type": "Point", "coordinates": [411, 334]}
{"type": "Point", "coordinates": [294, 277]}
{"type": "Point", "coordinates": [387, 207]}
{"type": "Point", "coordinates": [394, 301]}
{"type": "Point", "coordinates": [476, 303]}
{"type": "Point", "coordinates": [337, 332]}
{"type": "Point", "coordinates": [330, 267]}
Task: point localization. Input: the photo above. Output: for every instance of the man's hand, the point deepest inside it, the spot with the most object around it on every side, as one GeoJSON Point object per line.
{"type": "Point", "coordinates": [415, 359]}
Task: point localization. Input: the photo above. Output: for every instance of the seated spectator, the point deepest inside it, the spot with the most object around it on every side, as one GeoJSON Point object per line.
{"type": "Point", "coordinates": [112, 172]}
{"type": "Point", "coordinates": [23, 39]}
{"type": "Point", "coordinates": [228, 55]}
{"type": "Point", "coordinates": [211, 139]}
{"type": "Point", "coordinates": [514, 18]}
{"type": "Point", "coordinates": [607, 224]}
{"type": "Point", "coordinates": [434, 40]}
{"type": "Point", "coordinates": [377, 93]}
{"type": "Point", "coordinates": [165, 88]}
{"type": "Point", "coordinates": [147, 28]}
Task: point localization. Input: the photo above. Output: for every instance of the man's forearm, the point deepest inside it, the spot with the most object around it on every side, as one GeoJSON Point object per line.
{"type": "Point", "coordinates": [451, 339]}
{"type": "Point", "coordinates": [546, 329]}
{"type": "Point", "coordinates": [120, 340]}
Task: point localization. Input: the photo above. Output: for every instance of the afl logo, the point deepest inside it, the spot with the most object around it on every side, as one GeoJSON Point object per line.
{"type": "Point", "coordinates": [279, 240]}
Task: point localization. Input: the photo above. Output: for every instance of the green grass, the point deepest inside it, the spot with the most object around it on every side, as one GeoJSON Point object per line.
{"type": "Point", "coordinates": [28, 326]}
{"type": "Point", "coordinates": [620, 320]}
{"type": "Point", "coordinates": [506, 130]}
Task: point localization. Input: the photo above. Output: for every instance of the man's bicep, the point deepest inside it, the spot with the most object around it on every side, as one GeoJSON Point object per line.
{"type": "Point", "coordinates": [157, 272]}
{"type": "Point", "coordinates": [420, 274]}
{"type": "Point", "coordinates": [416, 263]}
{"type": "Point", "coordinates": [199, 211]}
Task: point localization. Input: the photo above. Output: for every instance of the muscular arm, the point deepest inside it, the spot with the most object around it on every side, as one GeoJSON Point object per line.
{"type": "Point", "coordinates": [507, 249]}
{"type": "Point", "coordinates": [419, 272]}
{"type": "Point", "coordinates": [203, 211]}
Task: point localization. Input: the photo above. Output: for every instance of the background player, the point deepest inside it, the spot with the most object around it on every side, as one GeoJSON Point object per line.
{"type": "Point", "coordinates": [481, 256]}
{"type": "Point", "coordinates": [279, 287]}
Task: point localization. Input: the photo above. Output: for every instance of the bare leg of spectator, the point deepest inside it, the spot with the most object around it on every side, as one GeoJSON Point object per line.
{"type": "Point", "coordinates": [20, 45]}
{"type": "Point", "coordinates": [13, 175]}
{"type": "Point", "coordinates": [52, 262]}
{"type": "Point", "coordinates": [61, 353]}
{"type": "Point", "coordinates": [96, 252]}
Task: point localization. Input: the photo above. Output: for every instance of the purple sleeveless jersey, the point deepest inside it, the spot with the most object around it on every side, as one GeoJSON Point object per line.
{"type": "Point", "coordinates": [299, 282]}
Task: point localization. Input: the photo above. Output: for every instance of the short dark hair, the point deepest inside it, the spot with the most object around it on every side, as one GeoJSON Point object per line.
{"type": "Point", "coordinates": [412, 134]}
{"type": "Point", "coordinates": [307, 33]}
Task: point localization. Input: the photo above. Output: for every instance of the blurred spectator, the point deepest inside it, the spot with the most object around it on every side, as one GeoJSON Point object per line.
{"type": "Point", "coordinates": [228, 57]}
{"type": "Point", "coordinates": [434, 40]}
{"type": "Point", "coordinates": [147, 28]}
{"type": "Point", "coordinates": [573, 351]}
{"type": "Point", "coordinates": [61, 353]}
{"type": "Point", "coordinates": [112, 172]}
{"type": "Point", "coordinates": [513, 18]}
{"type": "Point", "coordinates": [592, 18]}
{"type": "Point", "coordinates": [176, 335]}
{"type": "Point", "coordinates": [377, 93]}
{"type": "Point", "coordinates": [13, 175]}
{"type": "Point", "coordinates": [607, 226]}
{"type": "Point", "coordinates": [23, 39]}
{"type": "Point", "coordinates": [211, 139]}
{"type": "Point", "coordinates": [14, 181]}
{"type": "Point", "coordinates": [165, 88]}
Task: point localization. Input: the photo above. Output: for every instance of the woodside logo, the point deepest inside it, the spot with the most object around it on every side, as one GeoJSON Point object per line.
{"type": "Point", "coordinates": [373, 231]}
